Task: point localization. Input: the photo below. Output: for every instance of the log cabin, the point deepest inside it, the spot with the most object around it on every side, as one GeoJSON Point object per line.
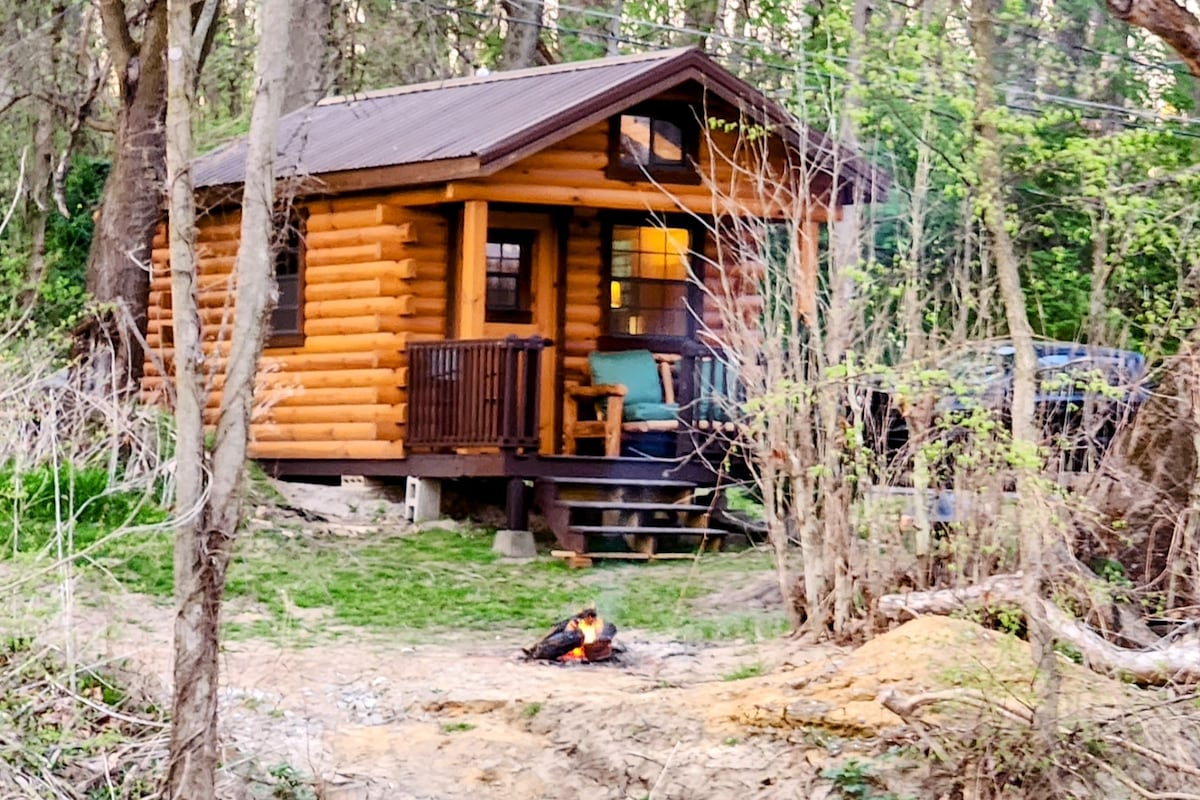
{"type": "Point", "coordinates": [452, 254]}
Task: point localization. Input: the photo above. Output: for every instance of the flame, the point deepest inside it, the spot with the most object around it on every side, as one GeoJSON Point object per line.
{"type": "Point", "coordinates": [590, 626]}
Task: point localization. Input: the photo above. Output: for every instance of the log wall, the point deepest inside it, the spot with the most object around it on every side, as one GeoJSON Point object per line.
{"type": "Point", "coordinates": [376, 277]}
{"type": "Point", "coordinates": [374, 280]}
{"type": "Point", "coordinates": [572, 172]}
{"type": "Point", "coordinates": [584, 295]}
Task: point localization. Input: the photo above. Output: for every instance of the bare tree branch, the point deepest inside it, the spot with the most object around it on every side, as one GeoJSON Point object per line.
{"type": "Point", "coordinates": [200, 30]}
{"type": "Point", "coordinates": [16, 192]}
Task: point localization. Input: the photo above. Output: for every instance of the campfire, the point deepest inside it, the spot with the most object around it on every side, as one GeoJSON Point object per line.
{"type": "Point", "coordinates": [583, 637]}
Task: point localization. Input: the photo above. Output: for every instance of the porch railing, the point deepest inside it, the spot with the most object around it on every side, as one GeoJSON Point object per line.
{"type": "Point", "coordinates": [708, 391]}
{"type": "Point", "coordinates": [475, 393]}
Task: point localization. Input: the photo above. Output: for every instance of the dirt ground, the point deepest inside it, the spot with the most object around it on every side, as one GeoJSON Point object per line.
{"type": "Point", "coordinates": [365, 716]}
{"type": "Point", "coordinates": [370, 718]}
{"type": "Point", "coordinates": [362, 717]}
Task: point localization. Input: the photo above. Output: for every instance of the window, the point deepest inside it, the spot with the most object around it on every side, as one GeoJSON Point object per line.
{"type": "Point", "coordinates": [509, 267]}
{"type": "Point", "coordinates": [648, 289]}
{"type": "Point", "coordinates": [287, 318]}
{"type": "Point", "coordinates": [659, 143]}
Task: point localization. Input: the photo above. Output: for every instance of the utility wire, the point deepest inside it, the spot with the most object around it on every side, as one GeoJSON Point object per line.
{"type": "Point", "coordinates": [809, 67]}
{"type": "Point", "coordinates": [724, 37]}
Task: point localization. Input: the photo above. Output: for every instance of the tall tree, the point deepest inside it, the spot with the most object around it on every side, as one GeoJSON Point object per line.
{"type": "Point", "coordinates": [700, 18]}
{"type": "Point", "coordinates": [1025, 434]}
{"type": "Point", "coordinates": [210, 482]}
{"type": "Point", "coordinates": [524, 33]}
{"type": "Point", "coordinates": [118, 275]}
{"type": "Point", "coordinates": [589, 29]}
{"type": "Point", "coordinates": [1167, 19]}
{"type": "Point", "coordinates": [41, 173]}
{"type": "Point", "coordinates": [308, 75]}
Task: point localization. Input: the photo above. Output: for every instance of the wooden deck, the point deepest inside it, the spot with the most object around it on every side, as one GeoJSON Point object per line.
{"type": "Point", "coordinates": [501, 465]}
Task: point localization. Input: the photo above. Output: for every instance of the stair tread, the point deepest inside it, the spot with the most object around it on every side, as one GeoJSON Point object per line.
{"type": "Point", "coordinates": [621, 505]}
{"type": "Point", "coordinates": [621, 530]}
{"type": "Point", "coordinates": [658, 483]}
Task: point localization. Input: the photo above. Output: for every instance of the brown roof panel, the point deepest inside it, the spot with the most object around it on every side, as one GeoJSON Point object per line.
{"type": "Point", "coordinates": [429, 122]}
{"type": "Point", "coordinates": [478, 122]}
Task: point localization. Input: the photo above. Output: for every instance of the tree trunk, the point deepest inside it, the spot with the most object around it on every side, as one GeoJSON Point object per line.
{"type": "Point", "coordinates": [193, 744]}
{"type": "Point", "coordinates": [524, 32]}
{"type": "Point", "coordinates": [308, 74]}
{"type": "Point", "coordinates": [1167, 19]}
{"type": "Point", "coordinates": [1024, 431]}
{"type": "Point", "coordinates": [589, 29]}
{"type": "Point", "coordinates": [118, 271]}
{"type": "Point", "coordinates": [41, 172]}
{"type": "Point", "coordinates": [699, 20]}
{"type": "Point", "coordinates": [209, 521]}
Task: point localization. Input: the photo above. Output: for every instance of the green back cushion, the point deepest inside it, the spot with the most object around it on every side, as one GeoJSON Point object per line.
{"type": "Point", "coordinates": [633, 369]}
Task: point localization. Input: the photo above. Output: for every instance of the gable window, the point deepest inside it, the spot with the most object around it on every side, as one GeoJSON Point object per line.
{"type": "Point", "coordinates": [648, 287]}
{"type": "Point", "coordinates": [287, 318]}
{"type": "Point", "coordinates": [509, 274]}
{"type": "Point", "coordinates": [655, 142]}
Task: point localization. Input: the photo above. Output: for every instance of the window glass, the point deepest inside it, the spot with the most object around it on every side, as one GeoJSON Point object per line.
{"type": "Point", "coordinates": [635, 140]}
{"type": "Point", "coordinates": [648, 290]}
{"type": "Point", "coordinates": [509, 266]}
{"type": "Point", "coordinates": [651, 142]}
{"type": "Point", "coordinates": [287, 318]}
{"type": "Point", "coordinates": [667, 143]}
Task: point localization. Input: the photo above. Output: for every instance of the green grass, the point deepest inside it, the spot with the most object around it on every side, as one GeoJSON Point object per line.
{"type": "Point", "coordinates": [450, 580]}
{"type": "Point", "coordinates": [439, 581]}
{"type": "Point", "coordinates": [744, 501]}
{"type": "Point", "coordinates": [742, 673]}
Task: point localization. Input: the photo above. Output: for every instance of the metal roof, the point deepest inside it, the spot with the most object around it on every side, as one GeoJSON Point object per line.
{"type": "Point", "coordinates": [486, 119]}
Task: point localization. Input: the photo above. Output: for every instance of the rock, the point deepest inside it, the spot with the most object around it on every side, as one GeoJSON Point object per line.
{"type": "Point", "coordinates": [514, 544]}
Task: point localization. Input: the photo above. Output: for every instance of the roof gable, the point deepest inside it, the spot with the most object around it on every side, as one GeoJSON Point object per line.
{"type": "Point", "coordinates": [475, 126]}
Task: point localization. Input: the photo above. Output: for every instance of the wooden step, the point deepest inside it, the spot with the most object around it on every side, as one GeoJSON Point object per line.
{"type": "Point", "coordinates": [585, 559]}
{"type": "Point", "coordinates": [657, 483]}
{"type": "Point", "coordinates": [620, 505]}
{"type": "Point", "coordinates": [635, 530]}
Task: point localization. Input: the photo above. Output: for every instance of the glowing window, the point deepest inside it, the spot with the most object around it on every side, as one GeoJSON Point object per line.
{"type": "Point", "coordinates": [648, 292]}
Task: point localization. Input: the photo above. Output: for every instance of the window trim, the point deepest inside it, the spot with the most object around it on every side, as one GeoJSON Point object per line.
{"type": "Point", "coordinates": [526, 239]}
{"type": "Point", "coordinates": [282, 248]}
{"type": "Point", "coordinates": [682, 116]}
{"type": "Point", "coordinates": [658, 343]}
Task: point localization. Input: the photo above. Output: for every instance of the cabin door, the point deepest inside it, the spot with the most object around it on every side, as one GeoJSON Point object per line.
{"type": "Point", "coordinates": [522, 296]}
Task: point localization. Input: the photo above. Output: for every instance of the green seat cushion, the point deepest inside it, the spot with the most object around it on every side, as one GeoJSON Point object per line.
{"type": "Point", "coordinates": [636, 370]}
{"type": "Point", "coordinates": [651, 412]}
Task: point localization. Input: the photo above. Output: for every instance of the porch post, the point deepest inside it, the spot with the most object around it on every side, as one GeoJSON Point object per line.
{"type": "Point", "coordinates": [516, 541]}
{"type": "Point", "coordinates": [809, 235]}
{"type": "Point", "coordinates": [472, 271]}
{"type": "Point", "coordinates": [517, 508]}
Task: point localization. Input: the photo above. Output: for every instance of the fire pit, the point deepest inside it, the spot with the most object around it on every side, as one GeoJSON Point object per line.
{"type": "Point", "coordinates": [583, 637]}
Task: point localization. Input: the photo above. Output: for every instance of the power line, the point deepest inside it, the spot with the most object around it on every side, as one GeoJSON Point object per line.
{"type": "Point", "coordinates": [809, 67]}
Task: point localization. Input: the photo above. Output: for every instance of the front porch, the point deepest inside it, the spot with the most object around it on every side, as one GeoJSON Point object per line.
{"type": "Point", "coordinates": [476, 411]}
{"type": "Point", "coordinates": [486, 401]}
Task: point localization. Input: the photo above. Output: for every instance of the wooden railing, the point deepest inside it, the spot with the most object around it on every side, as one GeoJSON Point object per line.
{"type": "Point", "coordinates": [708, 392]}
{"type": "Point", "coordinates": [474, 393]}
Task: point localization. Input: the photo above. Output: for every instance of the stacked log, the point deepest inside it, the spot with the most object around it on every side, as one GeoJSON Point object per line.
{"type": "Point", "coordinates": [374, 280]}
{"type": "Point", "coordinates": [572, 173]}
{"type": "Point", "coordinates": [584, 295]}
{"type": "Point", "coordinates": [582, 637]}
